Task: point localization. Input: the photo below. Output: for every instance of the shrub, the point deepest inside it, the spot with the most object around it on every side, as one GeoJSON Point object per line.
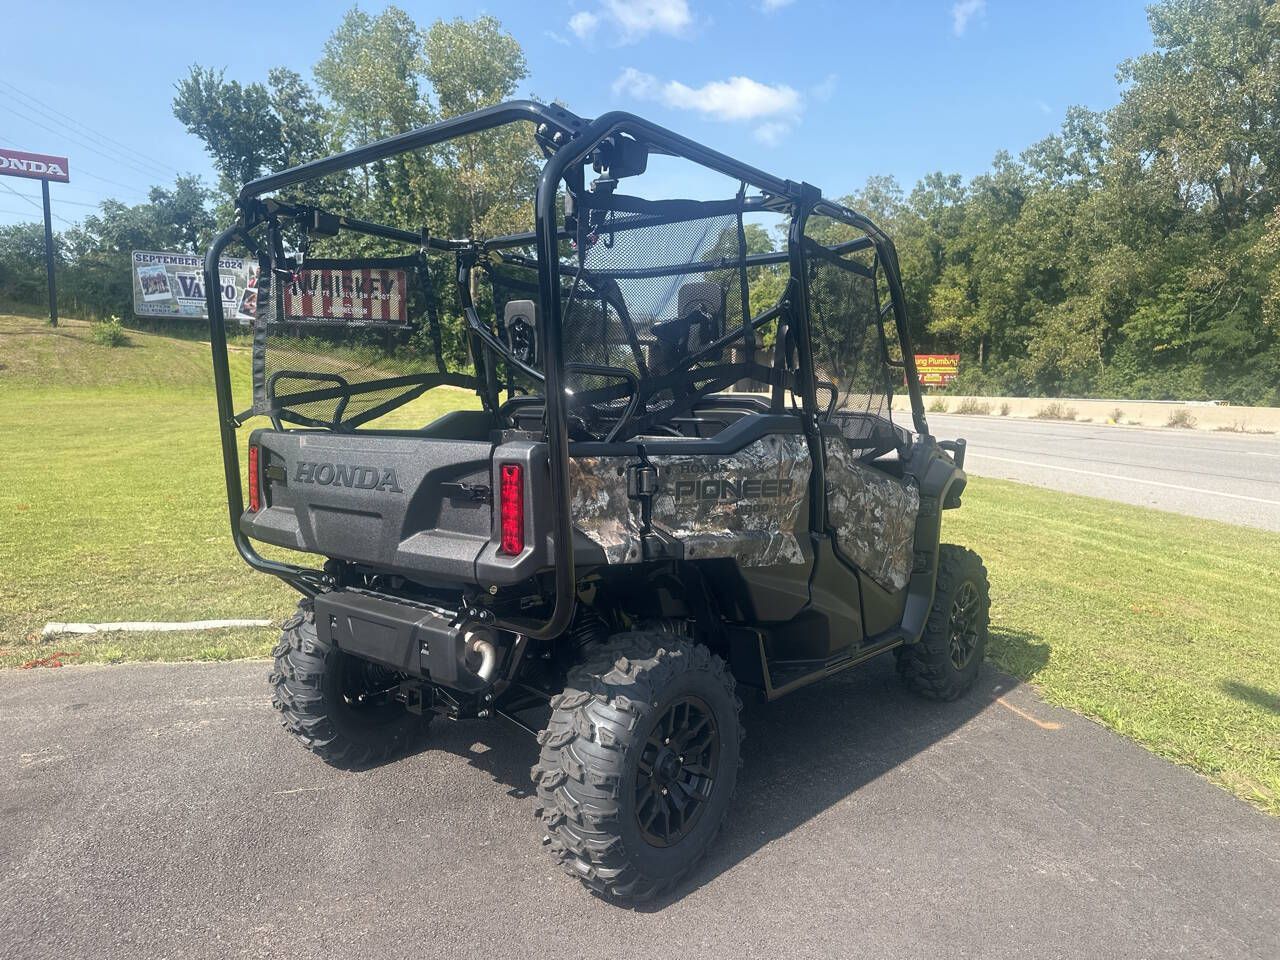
{"type": "Point", "coordinates": [1004, 409]}
{"type": "Point", "coordinates": [1117, 415]}
{"type": "Point", "coordinates": [973, 407]}
{"type": "Point", "coordinates": [108, 333]}
{"type": "Point", "coordinates": [1181, 417]}
{"type": "Point", "coordinates": [1056, 411]}
{"type": "Point", "coordinates": [937, 405]}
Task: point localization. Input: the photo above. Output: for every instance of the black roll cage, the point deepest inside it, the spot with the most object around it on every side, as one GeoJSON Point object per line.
{"type": "Point", "coordinates": [567, 141]}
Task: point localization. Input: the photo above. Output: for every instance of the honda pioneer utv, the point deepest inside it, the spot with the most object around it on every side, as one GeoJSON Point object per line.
{"type": "Point", "coordinates": [671, 473]}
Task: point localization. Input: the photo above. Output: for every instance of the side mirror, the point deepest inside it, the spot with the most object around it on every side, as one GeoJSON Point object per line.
{"type": "Point", "coordinates": [520, 325]}
{"type": "Point", "coordinates": [618, 156]}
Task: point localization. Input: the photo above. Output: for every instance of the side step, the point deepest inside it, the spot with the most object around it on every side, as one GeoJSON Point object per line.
{"type": "Point", "coordinates": [776, 678]}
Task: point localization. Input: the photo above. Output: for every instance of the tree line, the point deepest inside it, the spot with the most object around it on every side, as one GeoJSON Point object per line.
{"type": "Point", "coordinates": [1134, 253]}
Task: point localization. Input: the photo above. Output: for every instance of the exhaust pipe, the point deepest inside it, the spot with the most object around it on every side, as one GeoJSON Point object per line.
{"type": "Point", "coordinates": [477, 642]}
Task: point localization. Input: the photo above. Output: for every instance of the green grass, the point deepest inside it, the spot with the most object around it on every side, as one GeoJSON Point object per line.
{"type": "Point", "coordinates": [1161, 626]}
{"type": "Point", "coordinates": [1158, 625]}
{"type": "Point", "coordinates": [114, 506]}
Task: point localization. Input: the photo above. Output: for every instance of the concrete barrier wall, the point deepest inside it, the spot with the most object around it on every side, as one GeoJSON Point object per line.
{"type": "Point", "coordinates": [1146, 413]}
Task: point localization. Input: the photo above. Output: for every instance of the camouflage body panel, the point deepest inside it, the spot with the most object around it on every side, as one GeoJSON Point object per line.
{"type": "Point", "coordinates": [600, 507]}
{"type": "Point", "coordinates": [747, 505]}
{"type": "Point", "coordinates": [873, 516]}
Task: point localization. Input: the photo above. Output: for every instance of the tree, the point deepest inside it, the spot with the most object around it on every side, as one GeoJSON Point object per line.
{"type": "Point", "coordinates": [489, 178]}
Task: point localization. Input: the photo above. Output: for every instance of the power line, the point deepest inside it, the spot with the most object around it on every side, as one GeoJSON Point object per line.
{"type": "Point", "coordinates": [142, 193]}
{"type": "Point", "coordinates": [81, 142]}
{"type": "Point", "coordinates": [85, 127]}
{"type": "Point", "coordinates": [61, 200]}
{"type": "Point", "coordinates": [136, 191]}
{"type": "Point", "coordinates": [37, 204]}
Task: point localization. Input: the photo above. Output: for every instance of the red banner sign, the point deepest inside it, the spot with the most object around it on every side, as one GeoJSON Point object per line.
{"type": "Point", "coordinates": [937, 369]}
{"type": "Point", "coordinates": [371, 296]}
{"type": "Point", "coordinates": [34, 166]}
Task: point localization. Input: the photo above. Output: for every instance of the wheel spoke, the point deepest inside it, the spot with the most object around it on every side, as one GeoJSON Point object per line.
{"type": "Point", "coordinates": [676, 771]}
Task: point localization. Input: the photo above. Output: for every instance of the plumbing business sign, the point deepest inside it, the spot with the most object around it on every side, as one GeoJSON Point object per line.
{"type": "Point", "coordinates": [172, 285]}
{"type": "Point", "coordinates": [937, 369]}
{"type": "Point", "coordinates": [34, 166]}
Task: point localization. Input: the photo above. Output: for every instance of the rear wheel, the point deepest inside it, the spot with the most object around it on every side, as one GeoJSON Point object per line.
{"type": "Point", "coordinates": [342, 708]}
{"type": "Point", "coordinates": [638, 764]}
{"type": "Point", "coordinates": [946, 661]}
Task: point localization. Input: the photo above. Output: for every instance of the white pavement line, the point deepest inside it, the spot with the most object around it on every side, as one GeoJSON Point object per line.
{"type": "Point", "coordinates": [57, 629]}
{"type": "Point", "coordinates": [1119, 476]}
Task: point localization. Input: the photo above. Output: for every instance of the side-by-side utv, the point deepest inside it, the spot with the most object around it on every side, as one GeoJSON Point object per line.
{"type": "Point", "coordinates": [597, 478]}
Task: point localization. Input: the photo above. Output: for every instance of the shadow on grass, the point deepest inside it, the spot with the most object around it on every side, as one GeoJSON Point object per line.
{"type": "Point", "coordinates": [1018, 652]}
{"type": "Point", "coordinates": [803, 754]}
{"type": "Point", "coordinates": [1254, 696]}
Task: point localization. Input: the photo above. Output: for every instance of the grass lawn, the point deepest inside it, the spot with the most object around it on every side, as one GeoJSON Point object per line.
{"type": "Point", "coordinates": [1163, 627]}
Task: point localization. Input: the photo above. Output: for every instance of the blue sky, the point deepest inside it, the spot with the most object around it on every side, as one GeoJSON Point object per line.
{"type": "Point", "coordinates": [829, 91]}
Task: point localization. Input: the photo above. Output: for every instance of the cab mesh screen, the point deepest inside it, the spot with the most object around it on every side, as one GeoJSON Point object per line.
{"type": "Point", "coordinates": [641, 298]}
{"type": "Point", "coordinates": [850, 359]}
{"type": "Point", "coordinates": [341, 342]}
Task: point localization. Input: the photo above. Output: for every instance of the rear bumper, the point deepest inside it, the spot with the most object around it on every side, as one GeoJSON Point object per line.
{"type": "Point", "coordinates": [416, 639]}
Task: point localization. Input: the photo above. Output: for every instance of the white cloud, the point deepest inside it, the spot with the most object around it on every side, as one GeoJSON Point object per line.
{"type": "Point", "coordinates": [1044, 107]}
{"type": "Point", "coordinates": [738, 98]}
{"type": "Point", "coordinates": [772, 132]}
{"type": "Point", "coordinates": [965, 10]}
{"type": "Point", "coordinates": [768, 6]}
{"type": "Point", "coordinates": [633, 20]}
{"type": "Point", "coordinates": [556, 38]}
{"type": "Point", "coordinates": [583, 24]}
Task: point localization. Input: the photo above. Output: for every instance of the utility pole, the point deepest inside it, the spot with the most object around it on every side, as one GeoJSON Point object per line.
{"type": "Point", "coordinates": [48, 254]}
{"type": "Point", "coordinates": [42, 167]}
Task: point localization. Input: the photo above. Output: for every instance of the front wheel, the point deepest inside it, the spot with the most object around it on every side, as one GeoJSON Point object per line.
{"type": "Point", "coordinates": [945, 663]}
{"type": "Point", "coordinates": [638, 764]}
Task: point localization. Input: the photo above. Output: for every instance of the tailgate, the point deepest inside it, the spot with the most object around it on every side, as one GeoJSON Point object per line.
{"type": "Point", "coordinates": [413, 505]}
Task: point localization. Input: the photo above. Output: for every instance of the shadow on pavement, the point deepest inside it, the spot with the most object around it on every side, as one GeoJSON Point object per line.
{"type": "Point", "coordinates": [802, 754]}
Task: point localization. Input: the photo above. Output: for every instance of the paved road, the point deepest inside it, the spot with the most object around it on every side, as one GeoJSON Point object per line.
{"type": "Point", "coordinates": [158, 810]}
{"type": "Point", "coordinates": [1231, 477]}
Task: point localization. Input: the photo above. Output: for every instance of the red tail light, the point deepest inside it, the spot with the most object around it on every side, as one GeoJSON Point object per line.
{"type": "Point", "coordinates": [511, 507]}
{"type": "Point", "coordinates": [255, 499]}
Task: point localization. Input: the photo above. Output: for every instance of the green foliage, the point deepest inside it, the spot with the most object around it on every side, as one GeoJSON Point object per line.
{"type": "Point", "coordinates": [1055, 411]}
{"type": "Point", "coordinates": [1133, 253]}
{"type": "Point", "coordinates": [972, 406]}
{"type": "Point", "coordinates": [108, 333]}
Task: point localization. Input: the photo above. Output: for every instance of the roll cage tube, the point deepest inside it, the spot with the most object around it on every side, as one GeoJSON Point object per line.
{"type": "Point", "coordinates": [546, 232]}
{"type": "Point", "coordinates": [306, 581]}
{"type": "Point", "coordinates": [567, 139]}
{"type": "Point", "coordinates": [552, 122]}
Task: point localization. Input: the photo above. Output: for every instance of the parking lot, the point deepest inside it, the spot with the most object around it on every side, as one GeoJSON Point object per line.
{"type": "Point", "coordinates": [158, 810]}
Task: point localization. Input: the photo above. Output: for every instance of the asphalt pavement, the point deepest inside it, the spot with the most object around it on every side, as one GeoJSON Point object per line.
{"type": "Point", "coordinates": [160, 811]}
{"type": "Point", "coordinates": [1221, 476]}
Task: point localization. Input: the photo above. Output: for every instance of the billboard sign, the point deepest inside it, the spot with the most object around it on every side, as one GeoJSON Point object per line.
{"type": "Point", "coordinates": [338, 292]}
{"type": "Point", "coordinates": [34, 166]}
{"type": "Point", "coordinates": [172, 285]}
{"type": "Point", "coordinates": [937, 369]}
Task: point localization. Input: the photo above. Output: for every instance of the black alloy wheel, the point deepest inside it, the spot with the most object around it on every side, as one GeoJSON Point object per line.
{"type": "Point", "coordinates": [966, 610]}
{"type": "Point", "coordinates": [677, 771]}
